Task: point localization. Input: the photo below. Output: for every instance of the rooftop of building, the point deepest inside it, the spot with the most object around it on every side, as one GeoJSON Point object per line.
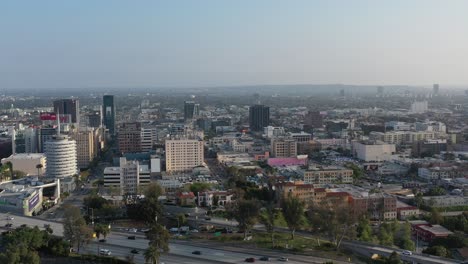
{"type": "Point", "coordinates": [25, 156]}
{"type": "Point", "coordinates": [436, 229]}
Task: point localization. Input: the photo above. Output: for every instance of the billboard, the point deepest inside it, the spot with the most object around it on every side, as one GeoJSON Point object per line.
{"type": "Point", "coordinates": [48, 116]}
{"type": "Point", "coordinates": [33, 201]}
{"type": "Point", "coordinates": [51, 116]}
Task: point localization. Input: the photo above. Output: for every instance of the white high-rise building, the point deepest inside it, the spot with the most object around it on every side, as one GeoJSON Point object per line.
{"type": "Point", "coordinates": [148, 138]}
{"type": "Point", "coordinates": [419, 107]}
{"type": "Point", "coordinates": [60, 152]}
{"type": "Point", "coordinates": [128, 177]}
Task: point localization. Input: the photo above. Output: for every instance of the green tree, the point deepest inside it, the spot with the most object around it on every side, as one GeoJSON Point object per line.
{"type": "Point", "coordinates": [149, 208]}
{"type": "Point", "coordinates": [101, 229]}
{"type": "Point", "coordinates": [364, 230]}
{"type": "Point", "coordinates": [440, 251]}
{"type": "Point", "coordinates": [386, 234]}
{"type": "Point", "coordinates": [405, 241]}
{"type": "Point", "coordinates": [436, 218]}
{"type": "Point", "coordinates": [199, 187]}
{"type": "Point", "coordinates": [293, 212]}
{"type": "Point", "coordinates": [19, 255]}
{"type": "Point", "coordinates": [39, 168]}
{"type": "Point", "coordinates": [158, 243]}
{"type": "Point", "coordinates": [334, 220]}
{"type": "Point", "coordinates": [181, 220]}
{"type": "Point", "coordinates": [394, 258]}
{"type": "Point", "coordinates": [246, 213]}
{"type": "Point", "coordinates": [74, 227]}
{"type": "Point", "coordinates": [267, 217]}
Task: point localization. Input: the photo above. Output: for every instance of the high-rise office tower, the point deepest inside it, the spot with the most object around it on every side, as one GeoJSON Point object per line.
{"type": "Point", "coordinates": [108, 111]}
{"type": "Point", "coordinates": [191, 110]}
{"type": "Point", "coordinates": [60, 152]}
{"type": "Point", "coordinates": [94, 119]}
{"type": "Point", "coordinates": [259, 117]}
{"type": "Point", "coordinates": [69, 109]}
{"type": "Point", "coordinates": [380, 91]}
{"type": "Point", "coordinates": [45, 134]}
{"type": "Point", "coordinates": [129, 137]}
{"type": "Point", "coordinates": [435, 89]}
{"type": "Point", "coordinates": [313, 119]}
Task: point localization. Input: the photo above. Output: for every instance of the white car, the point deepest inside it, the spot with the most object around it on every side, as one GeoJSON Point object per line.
{"type": "Point", "coordinates": [104, 252]}
{"type": "Point", "coordinates": [407, 252]}
{"type": "Point", "coordinates": [10, 218]}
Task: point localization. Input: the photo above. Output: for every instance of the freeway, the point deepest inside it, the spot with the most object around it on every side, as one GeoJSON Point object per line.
{"type": "Point", "coordinates": [124, 253]}
{"type": "Point", "coordinates": [365, 249]}
{"type": "Point", "coordinates": [222, 254]}
{"type": "Point", "coordinates": [120, 246]}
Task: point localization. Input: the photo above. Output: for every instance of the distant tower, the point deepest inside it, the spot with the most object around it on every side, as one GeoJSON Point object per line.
{"type": "Point", "coordinates": [435, 89]}
{"type": "Point", "coordinates": [70, 108]}
{"type": "Point", "coordinates": [191, 110]}
{"type": "Point", "coordinates": [259, 117]}
{"type": "Point", "coordinates": [380, 91]}
{"type": "Point", "coordinates": [256, 97]}
{"type": "Point", "coordinates": [108, 112]}
{"type": "Point", "coordinates": [342, 93]}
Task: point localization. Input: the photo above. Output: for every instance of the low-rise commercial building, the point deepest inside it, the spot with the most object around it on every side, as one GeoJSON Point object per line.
{"type": "Point", "coordinates": [328, 175]}
{"type": "Point", "coordinates": [27, 163]}
{"type": "Point", "coordinates": [373, 150]}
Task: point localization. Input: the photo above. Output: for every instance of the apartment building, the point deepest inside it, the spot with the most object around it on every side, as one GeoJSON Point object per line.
{"type": "Point", "coordinates": [283, 148]}
{"type": "Point", "coordinates": [183, 154]}
{"type": "Point", "coordinates": [328, 175]}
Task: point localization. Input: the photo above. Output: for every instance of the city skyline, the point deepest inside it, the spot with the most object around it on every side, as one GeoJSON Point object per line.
{"type": "Point", "coordinates": [56, 44]}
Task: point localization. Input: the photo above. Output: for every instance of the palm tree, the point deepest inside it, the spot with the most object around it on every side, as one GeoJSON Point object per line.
{"type": "Point", "coordinates": [39, 168]}
{"type": "Point", "coordinates": [158, 238]}
{"type": "Point", "coordinates": [10, 166]}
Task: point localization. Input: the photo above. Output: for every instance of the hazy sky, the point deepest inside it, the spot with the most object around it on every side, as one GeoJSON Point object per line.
{"type": "Point", "coordinates": [97, 43]}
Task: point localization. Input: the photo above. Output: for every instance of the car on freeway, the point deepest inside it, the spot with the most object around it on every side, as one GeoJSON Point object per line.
{"type": "Point", "coordinates": [196, 252]}
{"type": "Point", "coordinates": [207, 218]}
{"type": "Point", "coordinates": [264, 259]}
{"type": "Point", "coordinates": [284, 259]}
{"type": "Point", "coordinates": [102, 240]}
{"type": "Point", "coordinates": [134, 230]}
{"type": "Point", "coordinates": [9, 225]}
{"type": "Point", "coordinates": [10, 218]}
{"type": "Point", "coordinates": [132, 237]}
{"type": "Point", "coordinates": [104, 252]}
{"type": "Point", "coordinates": [407, 252]}
{"type": "Point", "coordinates": [250, 260]}
{"type": "Point", "coordinates": [135, 251]}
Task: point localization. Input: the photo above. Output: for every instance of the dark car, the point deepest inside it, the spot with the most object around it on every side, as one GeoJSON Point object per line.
{"type": "Point", "coordinates": [132, 237]}
{"type": "Point", "coordinates": [102, 240]}
{"type": "Point", "coordinates": [208, 218]}
{"type": "Point", "coordinates": [9, 225]}
{"type": "Point", "coordinates": [196, 252]}
{"type": "Point", "coordinates": [264, 258]}
{"type": "Point", "coordinates": [135, 251]}
{"type": "Point", "coordinates": [250, 260]}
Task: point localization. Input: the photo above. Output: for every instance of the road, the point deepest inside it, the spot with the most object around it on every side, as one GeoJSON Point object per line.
{"type": "Point", "coordinates": [120, 246]}
{"type": "Point", "coordinates": [221, 254]}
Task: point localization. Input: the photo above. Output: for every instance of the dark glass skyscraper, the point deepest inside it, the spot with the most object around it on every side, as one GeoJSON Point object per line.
{"type": "Point", "coordinates": [259, 117]}
{"type": "Point", "coordinates": [68, 108]}
{"type": "Point", "coordinates": [108, 112]}
{"type": "Point", "coordinates": [191, 110]}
